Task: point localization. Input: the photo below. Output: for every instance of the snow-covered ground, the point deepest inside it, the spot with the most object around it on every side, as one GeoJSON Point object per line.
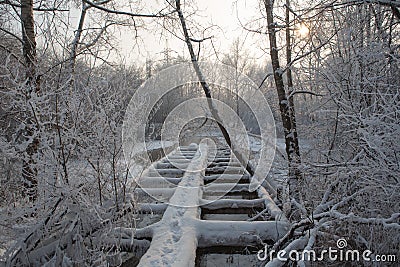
{"type": "Point", "coordinates": [278, 171]}
{"type": "Point", "coordinates": [13, 226]}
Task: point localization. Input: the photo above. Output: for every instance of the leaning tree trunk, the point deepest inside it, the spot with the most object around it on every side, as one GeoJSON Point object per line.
{"type": "Point", "coordinates": [29, 171]}
{"type": "Point", "coordinates": [75, 42]}
{"type": "Point", "coordinates": [284, 106]}
{"type": "Point", "coordinates": [292, 112]}
{"type": "Point", "coordinates": [207, 92]}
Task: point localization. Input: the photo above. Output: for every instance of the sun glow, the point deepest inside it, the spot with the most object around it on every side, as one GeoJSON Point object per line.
{"type": "Point", "coordinates": [303, 30]}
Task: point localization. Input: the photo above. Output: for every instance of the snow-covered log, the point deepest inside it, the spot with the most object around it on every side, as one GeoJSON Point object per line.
{"type": "Point", "coordinates": [174, 239]}
{"type": "Point", "coordinates": [226, 178]}
{"type": "Point", "coordinates": [234, 203]}
{"type": "Point", "coordinates": [223, 233]}
{"type": "Point", "coordinates": [273, 209]}
{"type": "Point", "coordinates": [152, 208]}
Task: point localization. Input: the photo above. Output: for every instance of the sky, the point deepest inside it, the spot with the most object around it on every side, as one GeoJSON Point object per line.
{"type": "Point", "coordinates": [226, 16]}
{"type": "Point", "coordinates": [223, 13]}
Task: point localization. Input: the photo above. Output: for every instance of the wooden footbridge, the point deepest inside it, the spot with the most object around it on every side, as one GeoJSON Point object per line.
{"type": "Point", "coordinates": [196, 209]}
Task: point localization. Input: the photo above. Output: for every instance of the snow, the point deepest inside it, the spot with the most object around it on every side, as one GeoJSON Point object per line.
{"type": "Point", "coordinates": [230, 233]}
{"type": "Point", "coordinates": [273, 209]}
{"type": "Point", "coordinates": [148, 219]}
{"type": "Point", "coordinates": [233, 203]}
{"type": "Point", "coordinates": [180, 232]}
{"type": "Point", "coordinates": [174, 239]}
{"type": "Point", "coordinates": [157, 144]}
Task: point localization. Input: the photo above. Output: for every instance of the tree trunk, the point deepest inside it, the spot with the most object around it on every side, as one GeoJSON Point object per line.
{"type": "Point", "coordinates": [29, 171]}
{"type": "Point", "coordinates": [290, 84]}
{"type": "Point", "coordinates": [284, 106]}
{"type": "Point", "coordinates": [207, 92]}
{"type": "Point", "coordinates": [75, 42]}
{"type": "Point", "coordinates": [29, 41]}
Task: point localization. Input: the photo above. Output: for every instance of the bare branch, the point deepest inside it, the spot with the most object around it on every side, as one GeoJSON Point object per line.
{"type": "Point", "coordinates": [12, 54]}
{"type": "Point", "coordinates": [112, 11]}
{"type": "Point", "coordinates": [12, 34]}
{"type": "Point", "coordinates": [303, 92]}
{"type": "Point", "coordinates": [200, 40]}
{"type": "Point", "coordinates": [43, 9]}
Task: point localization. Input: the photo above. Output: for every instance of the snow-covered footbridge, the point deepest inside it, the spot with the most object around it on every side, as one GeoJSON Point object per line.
{"type": "Point", "coordinates": [202, 212]}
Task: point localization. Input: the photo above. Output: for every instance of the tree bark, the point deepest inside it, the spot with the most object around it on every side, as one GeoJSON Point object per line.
{"type": "Point", "coordinates": [75, 42]}
{"type": "Point", "coordinates": [284, 106]}
{"type": "Point", "coordinates": [29, 171]}
{"type": "Point", "coordinates": [290, 84]}
{"type": "Point", "coordinates": [29, 40]}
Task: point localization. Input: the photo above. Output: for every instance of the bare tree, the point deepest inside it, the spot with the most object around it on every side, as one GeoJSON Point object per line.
{"type": "Point", "coordinates": [207, 90]}
{"type": "Point", "coordinates": [29, 171]}
{"type": "Point", "coordinates": [348, 167]}
{"type": "Point", "coordinates": [286, 111]}
{"type": "Point", "coordinates": [289, 79]}
{"type": "Point", "coordinates": [239, 62]}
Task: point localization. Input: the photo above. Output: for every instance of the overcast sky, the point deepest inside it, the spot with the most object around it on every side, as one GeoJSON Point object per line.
{"type": "Point", "coordinates": [223, 13]}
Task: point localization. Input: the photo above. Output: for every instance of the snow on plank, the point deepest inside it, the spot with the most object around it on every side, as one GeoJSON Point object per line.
{"type": "Point", "coordinates": [194, 220]}
{"type": "Point", "coordinates": [174, 240]}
